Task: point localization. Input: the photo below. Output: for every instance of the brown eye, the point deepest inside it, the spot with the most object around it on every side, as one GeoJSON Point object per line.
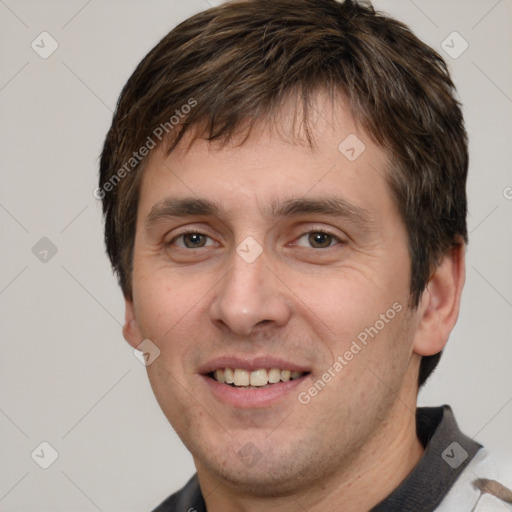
{"type": "Point", "coordinates": [192, 241]}
{"type": "Point", "coordinates": [318, 240]}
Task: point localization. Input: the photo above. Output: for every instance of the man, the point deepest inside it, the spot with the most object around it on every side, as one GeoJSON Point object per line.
{"type": "Point", "coordinates": [284, 195]}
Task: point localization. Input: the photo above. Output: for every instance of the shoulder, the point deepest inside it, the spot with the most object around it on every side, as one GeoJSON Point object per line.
{"type": "Point", "coordinates": [478, 488]}
{"type": "Point", "coordinates": [187, 499]}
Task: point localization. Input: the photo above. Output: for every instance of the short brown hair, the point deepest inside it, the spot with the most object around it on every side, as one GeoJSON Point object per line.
{"type": "Point", "coordinates": [235, 64]}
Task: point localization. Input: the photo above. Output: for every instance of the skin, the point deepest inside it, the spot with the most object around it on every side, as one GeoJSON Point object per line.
{"type": "Point", "coordinates": [355, 441]}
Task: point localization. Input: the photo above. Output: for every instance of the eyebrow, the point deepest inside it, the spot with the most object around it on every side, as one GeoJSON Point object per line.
{"type": "Point", "coordinates": [334, 206]}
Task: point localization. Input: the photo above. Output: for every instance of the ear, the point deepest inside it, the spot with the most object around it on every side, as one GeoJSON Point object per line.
{"type": "Point", "coordinates": [440, 303]}
{"type": "Point", "coordinates": [131, 330]}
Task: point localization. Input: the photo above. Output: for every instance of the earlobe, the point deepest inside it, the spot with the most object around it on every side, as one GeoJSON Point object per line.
{"type": "Point", "coordinates": [131, 330]}
{"type": "Point", "coordinates": [440, 303]}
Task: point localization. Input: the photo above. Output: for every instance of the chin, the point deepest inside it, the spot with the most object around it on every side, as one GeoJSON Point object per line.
{"type": "Point", "coordinates": [261, 482]}
{"type": "Point", "coordinates": [272, 475]}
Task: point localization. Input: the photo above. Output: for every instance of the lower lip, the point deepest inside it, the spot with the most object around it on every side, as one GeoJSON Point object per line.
{"type": "Point", "coordinates": [255, 397]}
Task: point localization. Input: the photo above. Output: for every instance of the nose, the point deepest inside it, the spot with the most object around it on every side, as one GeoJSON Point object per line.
{"type": "Point", "coordinates": [250, 296]}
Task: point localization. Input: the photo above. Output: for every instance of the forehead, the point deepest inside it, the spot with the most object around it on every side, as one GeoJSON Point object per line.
{"type": "Point", "coordinates": [278, 158]}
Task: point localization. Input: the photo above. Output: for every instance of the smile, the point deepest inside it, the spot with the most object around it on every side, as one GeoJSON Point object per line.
{"type": "Point", "coordinates": [254, 381]}
{"type": "Point", "coordinates": [238, 377]}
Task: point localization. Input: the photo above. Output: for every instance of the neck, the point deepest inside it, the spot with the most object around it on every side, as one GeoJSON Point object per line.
{"type": "Point", "coordinates": [379, 468]}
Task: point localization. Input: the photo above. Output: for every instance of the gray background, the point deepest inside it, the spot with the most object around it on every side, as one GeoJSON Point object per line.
{"type": "Point", "coordinates": [66, 374]}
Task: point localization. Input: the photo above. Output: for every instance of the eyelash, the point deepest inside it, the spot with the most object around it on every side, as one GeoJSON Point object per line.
{"type": "Point", "coordinates": [318, 230]}
{"type": "Point", "coordinates": [171, 242]}
{"type": "Point", "coordinates": [323, 232]}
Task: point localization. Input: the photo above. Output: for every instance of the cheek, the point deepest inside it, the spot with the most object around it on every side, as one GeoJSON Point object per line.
{"type": "Point", "coordinates": [362, 321]}
{"type": "Point", "coordinates": [346, 301]}
{"type": "Point", "coordinates": [165, 308]}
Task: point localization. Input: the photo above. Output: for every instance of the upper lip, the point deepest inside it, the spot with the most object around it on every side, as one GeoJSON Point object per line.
{"type": "Point", "coordinates": [251, 363]}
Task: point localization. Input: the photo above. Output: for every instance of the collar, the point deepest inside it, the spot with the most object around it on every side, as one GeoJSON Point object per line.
{"type": "Point", "coordinates": [447, 453]}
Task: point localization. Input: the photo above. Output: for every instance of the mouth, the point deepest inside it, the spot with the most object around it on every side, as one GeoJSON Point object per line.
{"type": "Point", "coordinates": [256, 379]}
{"type": "Point", "coordinates": [253, 382]}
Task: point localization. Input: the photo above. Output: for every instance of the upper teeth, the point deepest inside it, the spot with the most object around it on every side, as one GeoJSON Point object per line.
{"type": "Point", "coordinates": [258, 378]}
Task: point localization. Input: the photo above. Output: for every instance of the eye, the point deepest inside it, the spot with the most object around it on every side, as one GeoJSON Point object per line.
{"type": "Point", "coordinates": [192, 240]}
{"type": "Point", "coordinates": [319, 239]}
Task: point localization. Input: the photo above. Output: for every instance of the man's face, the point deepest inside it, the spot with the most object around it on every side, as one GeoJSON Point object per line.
{"type": "Point", "coordinates": [257, 285]}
